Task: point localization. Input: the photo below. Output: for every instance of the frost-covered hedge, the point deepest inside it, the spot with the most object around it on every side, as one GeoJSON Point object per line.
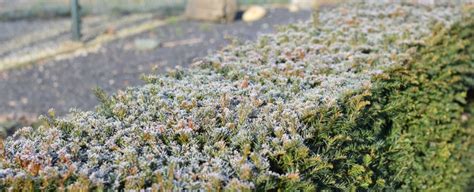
{"type": "Point", "coordinates": [365, 97]}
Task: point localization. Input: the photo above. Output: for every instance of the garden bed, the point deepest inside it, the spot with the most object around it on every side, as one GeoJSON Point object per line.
{"type": "Point", "coordinates": [364, 97]}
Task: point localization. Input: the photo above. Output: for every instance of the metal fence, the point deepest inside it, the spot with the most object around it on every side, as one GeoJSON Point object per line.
{"type": "Point", "coordinates": [10, 9]}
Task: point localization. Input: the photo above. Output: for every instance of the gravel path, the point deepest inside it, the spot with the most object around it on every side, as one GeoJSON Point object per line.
{"type": "Point", "coordinates": [67, 83]}
{"type": "Point", "coordinates": [11, 29]}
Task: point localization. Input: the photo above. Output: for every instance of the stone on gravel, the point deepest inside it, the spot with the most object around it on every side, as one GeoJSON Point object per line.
{"type": "Point", "coordinates": [212, 10]}
{"type": "Point", "coordinates": [303, 4]}
{"type": "Point", "coordinates": [145, 44]}
{"type": "Point", "coordinates": [254, 13]}
{"type": "Point", "coordinates": [293, 8]}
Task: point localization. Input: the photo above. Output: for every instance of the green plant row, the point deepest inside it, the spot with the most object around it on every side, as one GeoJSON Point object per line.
{"type": "Point", "coordinates": [413, 131]}
{"type": "Point", "coordinates": [364, 98]}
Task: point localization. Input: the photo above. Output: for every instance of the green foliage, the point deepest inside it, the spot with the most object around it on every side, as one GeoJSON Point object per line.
{"type": "Point", "coordinates": [246, 119]}
{"type": "Point", "coordinates": [427, 147]}
{"type": "Point", "coordinates": [407, 132]}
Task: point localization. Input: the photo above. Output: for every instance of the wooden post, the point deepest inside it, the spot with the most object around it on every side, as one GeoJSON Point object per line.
{"type": "Point", "coordinates": [76, 20]}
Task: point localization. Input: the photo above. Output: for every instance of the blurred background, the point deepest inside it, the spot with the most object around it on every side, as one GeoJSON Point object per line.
{"type": "Point", "coordinates": [42, 67]}
{"type": "Point", "coordinates": [17, 9]}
